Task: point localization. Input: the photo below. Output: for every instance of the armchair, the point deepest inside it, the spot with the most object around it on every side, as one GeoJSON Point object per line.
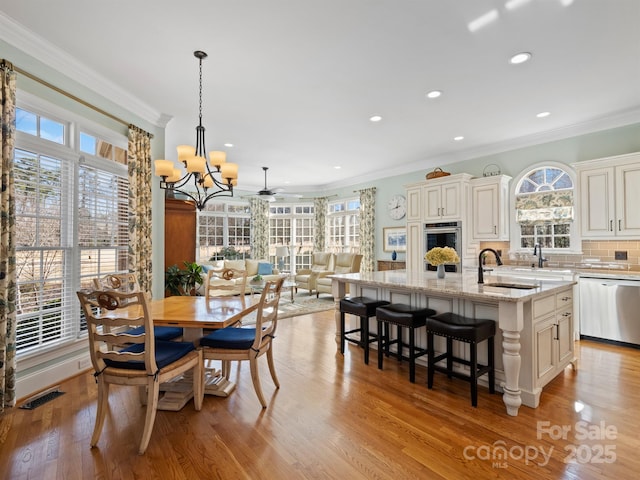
{"type": "Point", "coordinates": [306, 278]}
{"type": "Point", "coordinates": [344, 263]}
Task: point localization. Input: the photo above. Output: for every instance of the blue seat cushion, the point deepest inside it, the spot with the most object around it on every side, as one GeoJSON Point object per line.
{"type": "Point", "coordinates": [166, 353]}
{"type": "Point", "coordinates": [230, 337]}
{"type": "Point", "coordinates": [160, 333]}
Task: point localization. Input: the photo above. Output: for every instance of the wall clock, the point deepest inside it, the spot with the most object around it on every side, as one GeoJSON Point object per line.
{"type": "Point", "coordinates": [397, 207]}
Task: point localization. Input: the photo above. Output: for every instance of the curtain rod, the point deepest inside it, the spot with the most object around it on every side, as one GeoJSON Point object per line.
{"type": "Point", "coordinates": [4, 62]}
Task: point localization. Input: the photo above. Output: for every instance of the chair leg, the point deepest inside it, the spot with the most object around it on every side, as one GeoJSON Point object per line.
{"type": "Point", "coordinates": [272, 366]}
{"type": "Point", "coordinates": [491, 363]}
{"type": "Point", "coordinates": [364, 337]}
{"type": "Point", "coordinates": [474, 373]}
{"type": "Point", "coordinates": [430, 360]}
{"type": "Point", "coordinates": [380, 343]}
{"type": "Point", "coordinates": [449, 357]}
{"type": "Point", "coordinates": [412, 355]}
{"type": "Point", "coordinates": [255, 377]}
{"type": "Point", "coordinates": [101, 410]}
{"type": "Point", "coordinates": [153, 391]}
{"type": "Point", "coordinates": [198, 383]}
{"type": "Point", "coordinates": [342, 329]}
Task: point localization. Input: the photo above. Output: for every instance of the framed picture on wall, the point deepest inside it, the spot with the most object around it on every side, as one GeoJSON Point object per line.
{"type": "Point", "coordinates": [395, 238]}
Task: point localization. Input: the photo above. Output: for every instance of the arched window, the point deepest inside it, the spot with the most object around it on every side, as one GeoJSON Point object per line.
{"type": "Point", "coordinates": [544, 208]}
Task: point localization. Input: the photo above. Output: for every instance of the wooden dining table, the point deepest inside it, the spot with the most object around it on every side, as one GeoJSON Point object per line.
{"type": "Point", "coordinates": [195, 314]}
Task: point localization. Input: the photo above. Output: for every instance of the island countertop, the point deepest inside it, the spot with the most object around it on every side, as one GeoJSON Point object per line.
{"type": "Point", "coordinates": [463, 285]}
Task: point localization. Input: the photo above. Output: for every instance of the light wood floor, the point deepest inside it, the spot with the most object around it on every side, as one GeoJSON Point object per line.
{"type": "Point", "coordinates": [334, 417]}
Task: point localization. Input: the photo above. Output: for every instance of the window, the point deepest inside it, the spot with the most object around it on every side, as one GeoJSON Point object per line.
{"type": "Point", "coordinates": [224, 231]}
{"type": "Point", "coordinates": [292, 226]}
{"type": "Point", "coordinates": [544, 208]}
{"type": "Point", "coordinates": [71, 225]}
{"type": "Point", "coordinates": [343, 226]}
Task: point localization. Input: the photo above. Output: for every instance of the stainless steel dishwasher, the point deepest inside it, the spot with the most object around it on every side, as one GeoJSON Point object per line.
{"type": "Point", "coordinates": [610, 309]}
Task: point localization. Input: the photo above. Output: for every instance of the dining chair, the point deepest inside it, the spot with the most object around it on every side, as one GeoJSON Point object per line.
{"type": "Point", "coordinates": [225, 282]}
{"type": "Point", "coordinates": [249, 343]}
{"type": "Point", "coordinates": [128, 282]}
{"type": "Point", "coordinates": [122, 358]}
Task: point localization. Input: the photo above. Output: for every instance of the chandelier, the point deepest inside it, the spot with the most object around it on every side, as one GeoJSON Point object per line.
{"type": "Point", "coordinates": [215, 178]}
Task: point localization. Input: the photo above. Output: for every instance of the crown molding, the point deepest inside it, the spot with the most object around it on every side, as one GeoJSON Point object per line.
{"type": "Point", "coordinates": [31, 44]}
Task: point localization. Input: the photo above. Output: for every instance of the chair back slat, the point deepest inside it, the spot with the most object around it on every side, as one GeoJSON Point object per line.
{"type": "Point", "coordinates": [119, 282]}
{"type": "Point", "coordinates": [267, 317]}
{"type": "Point", "coordinates": [106, 312]}
{"type": "Point", "coordinates": [225, 282]}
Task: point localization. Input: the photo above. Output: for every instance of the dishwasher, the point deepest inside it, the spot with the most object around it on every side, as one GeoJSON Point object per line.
{"type": "Point", "coordinates": [610, 309]}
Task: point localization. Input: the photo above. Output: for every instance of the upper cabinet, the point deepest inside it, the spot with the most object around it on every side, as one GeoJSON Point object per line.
{"type": "Point", "coordinates": [609, 196]}
{"type": "Point", "coordinates": [438, 200]}
{"type": "Point", "coordinates": [490, 208]}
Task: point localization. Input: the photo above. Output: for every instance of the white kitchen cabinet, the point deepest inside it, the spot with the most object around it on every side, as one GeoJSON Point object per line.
{"type": "Point", "coordinates": [552, 335]}
{"type": "Point", "coordinates": [415, 246]}
{"type": "Point", "coordinates": [490, 208]}
{"type": "Point", "coordinates": [438, 200]}
{"type": "Point", "coordinates": [414, 203]}
{"type": "Point", "coordinates": [609, 196]}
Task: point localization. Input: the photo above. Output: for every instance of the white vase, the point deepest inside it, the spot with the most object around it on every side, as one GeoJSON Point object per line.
{"type": "Point", "coordinates": [440, 270]}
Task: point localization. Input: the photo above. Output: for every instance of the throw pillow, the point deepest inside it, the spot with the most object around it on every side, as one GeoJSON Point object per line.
{"type": "Point", "coordinates": [265, 268]}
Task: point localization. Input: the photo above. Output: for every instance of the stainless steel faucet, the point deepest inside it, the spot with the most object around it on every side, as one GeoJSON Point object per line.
{"type": "Point", "coordinates": [480, 268]}
{"type": "Point", "coordinates": [537, 250]}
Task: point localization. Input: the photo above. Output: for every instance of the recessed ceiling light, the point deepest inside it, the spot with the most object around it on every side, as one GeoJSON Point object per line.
{"type": "Point", "coordinates": [520, 58]}
{"type": "Point", "coordinates": [337, 167]}
{"type": "Point", "coordinates": [543, 114]}
{"type": "Point", "coordinates": [434, 94]}
{"type": "Point", "coordinates": [458, 138]}
{"type": "Point", "coordinates": [229, 145]}
{"type": "Point", "coordinates": [375, 118]}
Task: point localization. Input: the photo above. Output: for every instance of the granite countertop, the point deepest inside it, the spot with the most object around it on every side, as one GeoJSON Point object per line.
{"type": "Point", "coordinates": [600, 271]}
{"type": "Point", "coordinates": [457, 284]}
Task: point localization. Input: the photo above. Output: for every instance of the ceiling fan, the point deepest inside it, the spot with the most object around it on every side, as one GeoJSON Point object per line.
{"type": "Point", "coordinates": [271, 193]}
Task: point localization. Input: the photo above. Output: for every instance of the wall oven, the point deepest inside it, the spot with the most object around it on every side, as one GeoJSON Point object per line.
{"type": "Point", "coordinates": [444, 234]}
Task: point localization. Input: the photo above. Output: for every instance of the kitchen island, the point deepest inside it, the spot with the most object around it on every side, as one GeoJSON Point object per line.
{"type": "Point", "coordinates": [534, 339]}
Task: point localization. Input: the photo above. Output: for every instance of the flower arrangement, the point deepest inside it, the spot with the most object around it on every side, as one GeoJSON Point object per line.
{"type": "Point", "coordinates": [441, 255]}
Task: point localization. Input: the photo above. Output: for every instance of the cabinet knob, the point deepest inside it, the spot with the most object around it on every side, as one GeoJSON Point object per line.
{"type": "Point", "coordinates": [566, 314]}
{"type": "Point", "coordinates": [565, 299]}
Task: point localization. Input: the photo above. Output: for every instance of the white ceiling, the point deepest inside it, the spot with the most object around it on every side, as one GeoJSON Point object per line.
{"type": "Point", "coordinates": [292, 83]}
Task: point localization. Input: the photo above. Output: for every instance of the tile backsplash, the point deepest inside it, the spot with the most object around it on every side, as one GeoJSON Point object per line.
{"type": "Point", "coordinates": [593, 251]}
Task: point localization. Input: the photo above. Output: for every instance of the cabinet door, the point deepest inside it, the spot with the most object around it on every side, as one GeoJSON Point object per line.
{"type": "Point", "coordinates": [415, 248]}
{"type": "Point", "coordinates": [432, 203]}
{"type": "Point", "coordinates": [485, 212]}
{"type": "Point", "coordinates": [545, 350]}
{"type": "Point", "coordinates": [414, 204]}
{"type": "Point", "coordinates": [451, 203]}
{"type": "Point", "coordinates": [597, 202]}
{"type": "Point", "coordinates": [564, 321]}
{"type": "Point", "coordinates": [627, 200]}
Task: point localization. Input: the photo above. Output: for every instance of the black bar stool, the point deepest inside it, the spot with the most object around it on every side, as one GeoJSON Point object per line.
{"type": "Point", "coordinates": [402, 316]}
{"type": "Point", "coordinates": [468, 330]}
{"type": "Point", "coordinates": [364, 308]}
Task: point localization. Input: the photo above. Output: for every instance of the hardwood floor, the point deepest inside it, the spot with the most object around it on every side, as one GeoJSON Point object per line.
{"type": "Point", "coordinates": [335, 417]}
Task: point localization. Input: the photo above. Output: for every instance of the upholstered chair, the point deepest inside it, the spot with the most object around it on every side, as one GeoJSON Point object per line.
{"type": "Point", "coordinates": [321, 262]}
{"type": "Point", "coordinates": [344, 263]}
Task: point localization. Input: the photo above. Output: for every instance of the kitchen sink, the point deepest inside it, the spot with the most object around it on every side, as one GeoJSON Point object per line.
{"type": "Point", "coordinates": [519, 286]}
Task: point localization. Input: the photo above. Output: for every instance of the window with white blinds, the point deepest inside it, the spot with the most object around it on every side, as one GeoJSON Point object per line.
{"type": "Point", "coordinates": [71, 226]}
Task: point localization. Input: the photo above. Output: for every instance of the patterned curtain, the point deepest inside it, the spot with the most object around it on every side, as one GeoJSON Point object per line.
{"type": "Point", "coordinates": [320, 224]}
{"type": "Point", "coordinates": [259, 228]}
{"type": "Point", "coordinates": [140, 177]}
{"type": "Point", "coordinates": [368, 229]}
{"type": "Point", "coordinates": [7, 239]}
{"type": "Point", "coordinates": [551, 206]}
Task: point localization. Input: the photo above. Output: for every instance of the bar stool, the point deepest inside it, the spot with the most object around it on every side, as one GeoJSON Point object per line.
{"type": "Point", "coordinates": [402, 316]}
{"type": "Point", "coordinates": [468, 330]}
{"type": "Point", "coordinates": [364, 308]}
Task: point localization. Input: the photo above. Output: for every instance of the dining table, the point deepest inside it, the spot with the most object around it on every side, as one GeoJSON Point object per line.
{"type": "Point", "coordinates": [195, 315]}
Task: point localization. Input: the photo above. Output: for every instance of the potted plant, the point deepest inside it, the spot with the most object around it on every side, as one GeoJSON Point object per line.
{"type": "Point", "coordinates": [257, 280]}
{"type": "Point", "coordinates": [183, 282]}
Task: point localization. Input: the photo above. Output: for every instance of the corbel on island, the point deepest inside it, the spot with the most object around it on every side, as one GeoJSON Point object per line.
{"type": "Point", "coordinates": [534, 340]}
